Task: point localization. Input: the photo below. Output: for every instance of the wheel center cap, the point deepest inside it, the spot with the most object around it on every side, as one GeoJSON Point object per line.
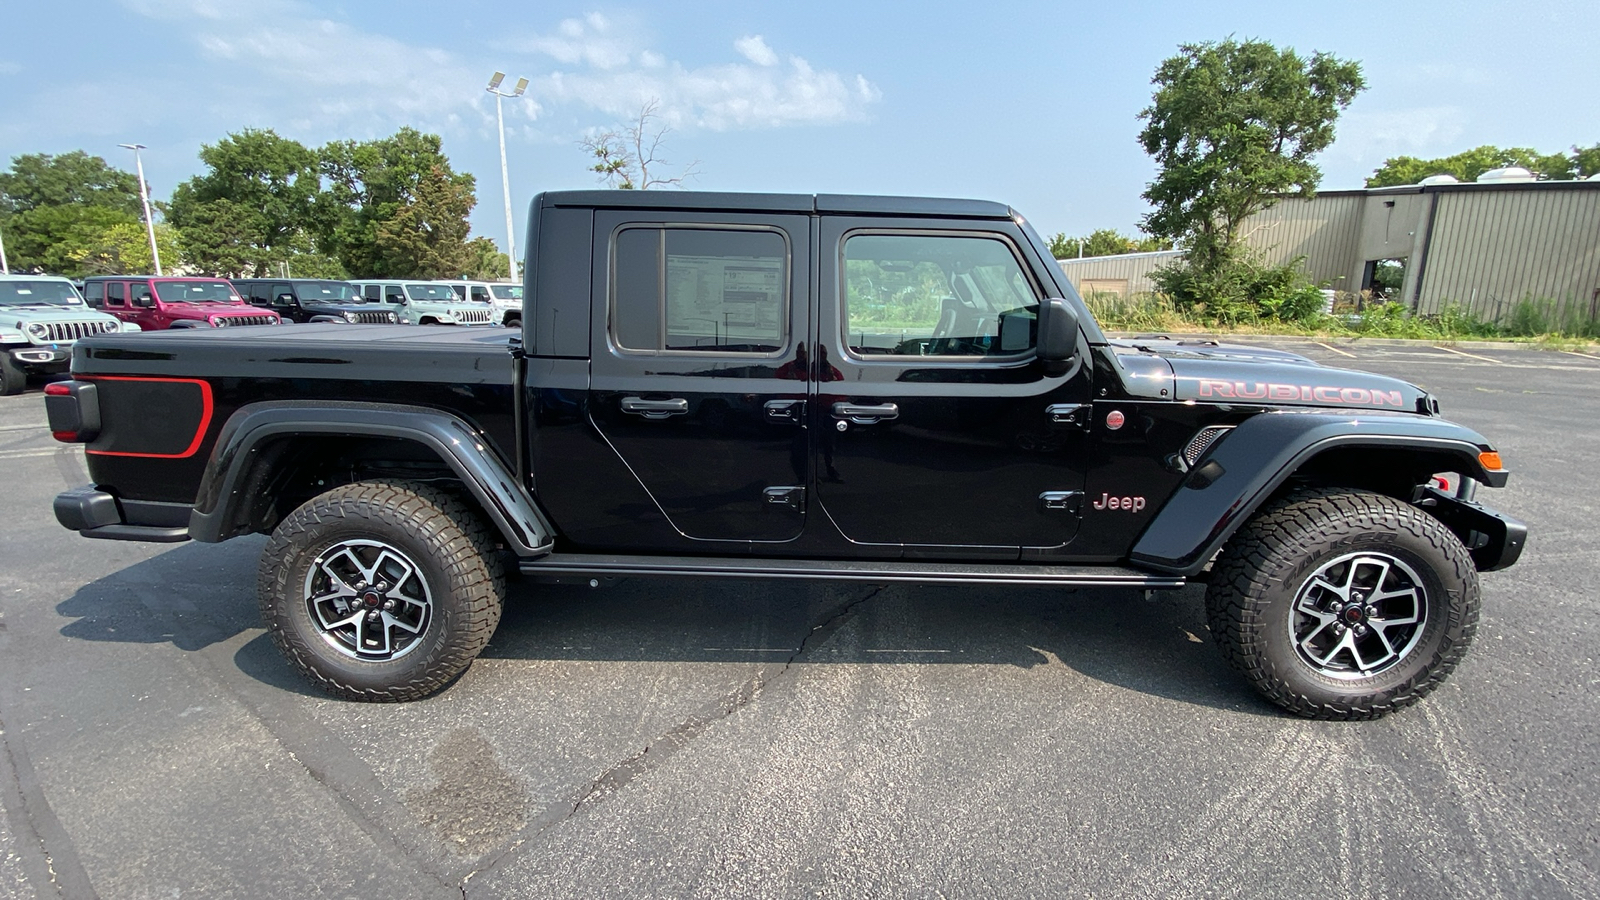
{"type": "Point", "coordinates": [1354, 614]}
{"type": "Point", "coordinates": [370, 599]}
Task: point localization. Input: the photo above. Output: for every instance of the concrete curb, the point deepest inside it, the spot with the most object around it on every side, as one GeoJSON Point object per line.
{"type": "Point", "coordinates": [1347, 341]}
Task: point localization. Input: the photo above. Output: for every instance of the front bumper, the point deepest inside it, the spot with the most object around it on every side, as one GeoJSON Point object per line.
{"type": "Point", "coordinates": [42, 357]}
{"type": "Point", "coordinates": [1494, 539]}
{"type": "Point", "coordinates": [94, 513]}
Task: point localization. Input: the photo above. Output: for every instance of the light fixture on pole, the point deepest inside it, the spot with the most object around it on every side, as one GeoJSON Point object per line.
{"type": "Point", "coordinates": [505, 180]}
{"type": "Point", "coordinates": [144, 197]}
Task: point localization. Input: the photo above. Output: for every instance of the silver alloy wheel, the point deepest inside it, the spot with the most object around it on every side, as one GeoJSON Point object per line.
{"type": "Point", "coordinates": [368, 600]}
{"type": "Point", "coordinates": [1358, 615]}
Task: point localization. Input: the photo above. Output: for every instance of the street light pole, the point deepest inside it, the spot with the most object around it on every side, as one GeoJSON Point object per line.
{"type": "Point", "coordinates": [505, 179]}
{"type": "Point", "coordinates": [144, 197]}
{"type": "Point", "coordinates": [5, 268]}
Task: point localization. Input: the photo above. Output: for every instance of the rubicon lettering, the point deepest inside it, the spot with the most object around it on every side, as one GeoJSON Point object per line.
{"type": "Point", "coordinates": [1131, 504]}
{"type": "Point", "coordinates": [1257, 390]}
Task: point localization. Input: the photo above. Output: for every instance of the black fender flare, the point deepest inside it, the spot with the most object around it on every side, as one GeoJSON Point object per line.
{"type": "Point", "coordinates": [238, 450]}
{"type": "Point", "coordinates": [1262, 453]}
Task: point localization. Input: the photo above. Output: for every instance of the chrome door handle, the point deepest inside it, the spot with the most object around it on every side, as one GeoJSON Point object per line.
{"type": "Point", "coordinates": [655, 409]}
{"type": "Point", "coordinates": [866, 414]}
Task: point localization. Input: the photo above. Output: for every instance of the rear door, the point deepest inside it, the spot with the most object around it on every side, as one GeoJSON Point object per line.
{"type": "Point", "coordinates": [698, 372]}
{"type": "Point", "coordinates": [935, 427]}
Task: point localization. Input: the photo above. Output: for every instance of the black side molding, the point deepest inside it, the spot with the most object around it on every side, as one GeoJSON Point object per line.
{"type": "Point", "coordinates": [94, 513]}
{"type": "Point", "coordinates": [876, 572]}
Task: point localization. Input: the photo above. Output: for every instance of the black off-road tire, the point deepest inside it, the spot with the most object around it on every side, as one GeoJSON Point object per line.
{"type": "Point", "coordinates": [13, 377]}
{"type": "Point", "coordinates": [452, 553]}
{"type": "Point", "coordinates": [1262, 584]}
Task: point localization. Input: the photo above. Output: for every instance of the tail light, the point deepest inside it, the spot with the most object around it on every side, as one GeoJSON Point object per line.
{"type": "Point", "coordinates": [74, 411]}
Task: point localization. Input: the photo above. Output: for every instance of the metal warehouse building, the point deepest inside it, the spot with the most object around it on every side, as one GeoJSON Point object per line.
{"type": "Point", "coordinates": [1482, 246]}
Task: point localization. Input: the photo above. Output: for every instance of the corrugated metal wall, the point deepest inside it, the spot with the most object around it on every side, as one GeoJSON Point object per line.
{"type": "Point", "coordinates": [1326, 230]}
{"type": "Point", "coordinates": [1134, 268]}
{"type": "Point", "coordinates": [1491, 249]}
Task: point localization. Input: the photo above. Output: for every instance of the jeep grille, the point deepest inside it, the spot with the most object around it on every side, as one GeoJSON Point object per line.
{"type": "Point", "coordinates": [373, 318]}
{"type": "Point", "coordinates": [1202, 441]}
{"type": "Point", "coordinates": [472, 316]}
{"type": "Point", "coordinates": [67, 332]}
{"type": "Point", "coordinates": [225, 321]}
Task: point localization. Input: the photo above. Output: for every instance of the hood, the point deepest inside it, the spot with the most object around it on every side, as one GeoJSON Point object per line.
{"type": "Point", "coordinates": [1213, 373]}
{"type": "Point", "coordinates": [20, 316]}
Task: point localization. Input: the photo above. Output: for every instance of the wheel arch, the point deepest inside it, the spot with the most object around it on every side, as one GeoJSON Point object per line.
{"type": "Point", "coordinates": [1272, 452]}
{"type": "Point", "coordinates": [272, 453]}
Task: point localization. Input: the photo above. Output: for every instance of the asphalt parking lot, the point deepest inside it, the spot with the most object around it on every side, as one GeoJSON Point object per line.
{"type": "Point", "coordinates": [712, 739]}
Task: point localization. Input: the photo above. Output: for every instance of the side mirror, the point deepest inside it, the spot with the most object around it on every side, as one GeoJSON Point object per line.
{"type": "Point", "coordinates": [144, 301]}
{"type": "Point", "coordinates": [1058, 335]}
{"type": "Point", "coordinates": [283, 300]}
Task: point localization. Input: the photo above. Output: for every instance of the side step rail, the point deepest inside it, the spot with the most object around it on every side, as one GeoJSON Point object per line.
{"type": "Point", "coordinates": [874, 571]}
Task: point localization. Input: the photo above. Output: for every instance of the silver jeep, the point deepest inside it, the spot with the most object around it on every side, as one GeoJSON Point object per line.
{"type": "Point", "coordinates": [40, 317]}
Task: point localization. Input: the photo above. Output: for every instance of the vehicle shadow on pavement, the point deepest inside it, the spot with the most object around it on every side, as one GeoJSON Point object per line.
{"type": "Point", "coordinates": [191, 596]}
{"type": "Point", "coordinates": [195, 596]}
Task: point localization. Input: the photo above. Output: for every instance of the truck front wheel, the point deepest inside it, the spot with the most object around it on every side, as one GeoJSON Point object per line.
{"type": "Point", "coordinates": [379, 591]}
{"type": "Point", "coordinates": [1342, 604]}
{"type": "Point", "coordinates": [13, 378]}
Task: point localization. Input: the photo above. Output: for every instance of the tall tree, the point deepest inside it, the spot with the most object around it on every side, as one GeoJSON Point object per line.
{"type": "Point", "coordinates": [625, 157]}
{"type": "Point", "coordinates": [55, 209]}
{"type": "Point", "coordinates": [1233, 126]}
{"type": "Point", "coordinates": [264, 187]}
{"type": "Point", "coordinates": [485, 261]}
{"type": "Point", "coordinates": [1469, 164]}
{"type": "Point", "coordinates": [370, 183]}
{"type": "Point", "coordinates": [70, 179]}
{"type": "Point", "coordinates": [427, 237]}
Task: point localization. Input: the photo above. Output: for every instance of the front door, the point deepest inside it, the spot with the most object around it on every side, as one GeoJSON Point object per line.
{"type": "Point", "coordinates": [935, 427]}
{"type": "Point", "coordinates": [699, 382]}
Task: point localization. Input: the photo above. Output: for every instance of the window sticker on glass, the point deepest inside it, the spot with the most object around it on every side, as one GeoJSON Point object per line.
{"type": "Point", "coordinates": [725, 291]}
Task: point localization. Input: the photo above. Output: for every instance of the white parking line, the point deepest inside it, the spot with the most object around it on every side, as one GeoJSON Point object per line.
{"type": "Point", "coordinates": [1469, 355]}
{"type": "Point", "coordinates": [26, 454]}
{"type": "Point", "coordinates": [41, 426]}
{"type": "Point", "coordinates": [1580, 355]}
{"type": "Point", "coordinates": [1334, 349]}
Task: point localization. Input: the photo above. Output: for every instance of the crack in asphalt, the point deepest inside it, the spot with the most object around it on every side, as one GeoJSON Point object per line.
{"type": "Point", "coordinates": [608, 783]}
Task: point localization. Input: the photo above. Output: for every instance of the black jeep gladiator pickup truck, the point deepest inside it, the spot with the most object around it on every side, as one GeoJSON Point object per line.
{"type": "Point", "coordinates": [854, 388]}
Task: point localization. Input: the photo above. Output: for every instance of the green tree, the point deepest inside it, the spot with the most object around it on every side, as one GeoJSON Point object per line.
{"type": "Point", "coordinates": [370, 183]}
{"type": "Point", "coordinates": [124, 249]}
{"type": "Point", "coordinates": [1585, 161]}
{"type": "Point", "coordinates": [1104, 242]}
{"type": "Point", "coordinates": [253, 207]}
{"type": "Point", "coordinates": [71, 179]}
{"type": "Point", "coordinates": [1233, 126]}
{"type": "Point", "coordinates": [427, 237]}
{"type": "Point", "coordinates": [485, 261]}
{"type": "Point", "coordinates": [54, 209]}
{"type": "Point", "coordinates": [1469, 164]}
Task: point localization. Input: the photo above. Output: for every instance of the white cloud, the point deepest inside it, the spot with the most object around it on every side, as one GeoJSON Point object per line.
{"type": "Point", "coordinates": [756, 50]}
{"type": "Point", "coordinates": [1368, 138]}
{"type": "Point", "coordinates": [612, 71]}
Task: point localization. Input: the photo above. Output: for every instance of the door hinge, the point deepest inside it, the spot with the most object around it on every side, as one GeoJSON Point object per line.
{"type": "Point", "coordinates": [791, 496]}
{"type": "Point", "coordinates": [1061, 501]}
{"type": "Point", "coordinates": [1069, 414]}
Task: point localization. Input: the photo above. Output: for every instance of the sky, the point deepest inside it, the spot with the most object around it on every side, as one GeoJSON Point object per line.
{"type": "Point", "coordinates": [1031, 104]}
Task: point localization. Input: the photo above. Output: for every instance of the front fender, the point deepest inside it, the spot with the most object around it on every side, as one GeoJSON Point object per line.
{"type": "Point", "coordinates": [1245, 467]}
{"type": "Point", "coordinates": [224, 487]}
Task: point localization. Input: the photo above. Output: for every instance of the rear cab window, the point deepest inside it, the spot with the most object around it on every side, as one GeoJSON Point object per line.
{"type": "Point", "coordinates": [680, 289]}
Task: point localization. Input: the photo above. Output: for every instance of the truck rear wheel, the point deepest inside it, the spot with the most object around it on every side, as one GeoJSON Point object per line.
{"type": "Point", "coordinates": [1343, 604]}
{"type": "Point", "coordinates": [380, 591]}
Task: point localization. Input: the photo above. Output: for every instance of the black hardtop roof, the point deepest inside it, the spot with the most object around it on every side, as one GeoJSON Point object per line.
{"type": "Point", "coordinates": [843, 204]}
{"type": "Point", "coordinates": [154, 278]}
{"type": "Point", "coordinates": [254, 278]}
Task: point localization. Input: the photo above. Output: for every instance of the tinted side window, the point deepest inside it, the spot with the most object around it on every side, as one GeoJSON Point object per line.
{"type": "Point", "coordinates": [94, 294]}
{"type": "Point", "coordinates": [480, 293]}
{"type": "Point", "coordinates": [936, 295]}
{"type": "Point", "coordinates": [392, 293]}
{"type": "Point", "coordinates": [708, 290]}
{"type": "Point", "coordinates": [372, 292]}
{"type": "Point", "coordinates": [114, 293]}
{"type": "Point", "coordinates": [283, 294]}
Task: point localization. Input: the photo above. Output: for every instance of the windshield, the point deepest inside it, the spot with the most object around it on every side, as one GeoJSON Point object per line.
{"type": "Point", "coordinates": [430, 292]}
{"type": "Point", "coordinates": [195, 292]}
{"type": "Point", "coordinates": [329, 291]}
{"type": "Point", "coordinates": [38, 293]}
{"type": "Point", "coordinates": [507, 291]}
